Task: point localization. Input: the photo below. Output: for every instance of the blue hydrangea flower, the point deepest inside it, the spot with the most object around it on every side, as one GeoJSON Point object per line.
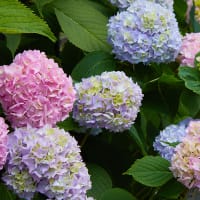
{"type": "Point", "coordinates": [168, 138]}
{"type": "Point", "coordinates": [146, 32]}
{"type": "Point", "coordinates": [122, 4]}
{"type": "Point", "coordinates": [110, 100]}
{"type": "Point", "coordinates": [45, 160]}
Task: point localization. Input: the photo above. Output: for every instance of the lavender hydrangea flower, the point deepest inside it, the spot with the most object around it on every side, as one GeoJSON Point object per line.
{"type": "Point", "coordinates": [46, 160]}
{"type": "Point", "coordinates": [146, 32]}
{"type": "Point", "coordinates": [110, 100]}
{"type": "Point", "coordinates": [122, 4]}
{"type": "Point", "coordinates": [172, 135]}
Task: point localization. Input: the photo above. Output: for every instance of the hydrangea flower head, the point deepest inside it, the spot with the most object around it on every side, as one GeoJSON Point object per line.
{"type": "Point", "coordinates": [146, 32]}
{"type": "Point", "coordinates": [45, 160]}
{"type": "Point", "coordinates": [168, 138]}
{"type": "Point", "coordinates": [122, 4]}
{"type": "Point", "coordinates": [3, 142]}
{"type": "Point", "coordinates": [193, 128]}
{"type": "Point", "coordinates": [185, 163]}
{"type": "Point", "coordinates": [189, 48]}
{"type": "Point", "coordinates": [110, 100]}
{"type": "Point", "coordinates": [35, 91]}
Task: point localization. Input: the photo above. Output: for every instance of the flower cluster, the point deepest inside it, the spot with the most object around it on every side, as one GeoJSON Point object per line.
{"type": "Point", "coordinates": [46, 160]}
{"type": "Point", "coordinates": [190, 47]}
{"type": "Point", "coordinates": [185, 163]}
{"type": "Point", "coordinates": [35, 91]}
{"type": "Point", "coordinates": [146, 32]}
{"type": "Point", "coordinates": [3, 142]}
{"type": "Point", "coordinates": [110, 100]}
{"type": "Point", "coordinates": [166, 142]}
{"type": "Point", "coordinates": [126, 3]}
{"type": "Point", "coordinates": [193, 128]}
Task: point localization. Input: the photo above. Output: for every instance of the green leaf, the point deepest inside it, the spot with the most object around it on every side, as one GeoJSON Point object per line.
{"type": "Point", "coordinates": [151, 171]}
{"type": "Point", "coordinates": [5, 193]}
{"type": "Point", "coordinates": [191, 77]}
{"type": "Point", "coordinates": [170, 80]}
{"type": "Point", "coordinates": [171, 189]}
{"type": "Point", "coordinates": [68, 125]}
{"type": "Point", "coordinates": [40, 4]}
{"type": "Point", "coordinates": [13, 41]}
{"type": "Point", "coordinates": [171, 144]}
{"type": "Point", "coordinates": [38, 196]}
{"type": "Point", "coordinates": [197, 60]}
{"type": "Point", "coordinates": [101, 181]}
{"type": "Point", "coordinates": [105, 10]}
{"type": "Point", "coordinates": [195, 24]}
{"type": "Point", "coordinates": [85, 27]}
{"type": "Point", "coordinates": [93, 64]}
{"type": "Point", "coordinates": [143, 121]}
{"type": "Point", "coordinates": [117, 194]}
{"type": "Point", "coordinates": [16, 18]}
{"type": "Point", "coordinates": [134, 134]}
{"type": "Point", "coordinates": [5, 55]}
{"type": "Point", "coordinates": [189, 104]}
{"type": "Point", "coordinates": [180, 8]}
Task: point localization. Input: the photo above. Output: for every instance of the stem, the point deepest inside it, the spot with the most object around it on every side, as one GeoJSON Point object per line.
{"type": "Point", "coordinates": [84, 140]}
{"type": "Point", "coordinates": [134, 134]}
{"type": "Point", "coordinates": [154, 193]}
{"type": "Point", "coordinates": [153, 80]}
{"type": "Point", "coordinates": [162, 96]}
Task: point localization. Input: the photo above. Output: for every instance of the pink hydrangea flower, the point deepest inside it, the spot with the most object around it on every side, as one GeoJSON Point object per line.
{"type": "Point", "coordinates": [35, 91]}
{"type": "Point", "coordinates": [190, 47]}
{"type": "Point", "coordinates": [185, 163]}
{"type": "Point", "coordinates": [193, 128]}
{"type": "Point", "coordinates": [3, 142]}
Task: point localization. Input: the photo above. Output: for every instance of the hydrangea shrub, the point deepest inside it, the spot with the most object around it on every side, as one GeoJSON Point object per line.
{"type": "Point", "coordinates": [72, 73]}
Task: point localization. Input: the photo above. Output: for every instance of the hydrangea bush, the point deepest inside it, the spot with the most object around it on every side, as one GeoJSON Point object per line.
{"type": "Point", "coordinates": [99, 99]}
